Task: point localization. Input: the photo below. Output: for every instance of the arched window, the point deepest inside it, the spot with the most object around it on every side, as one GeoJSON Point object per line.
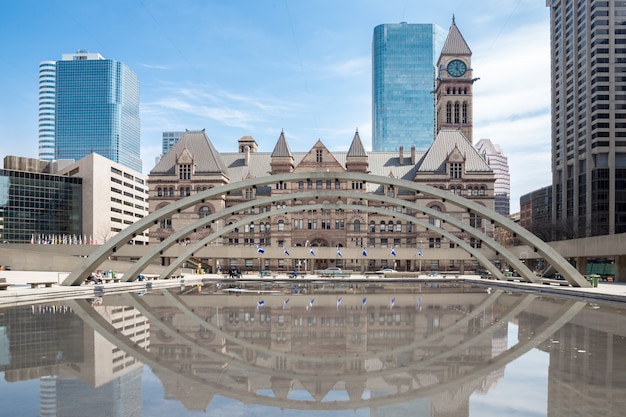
{"type": "Point", "coordinates": [464, 112]}
{"type": "Point", "coordinates": [449, 112]}
{"type": "Point", "coordinates": [357, 225]}
{"type": "Point", "coordinates": [372, 226]}
{"type": "Point", "coordinates": [482, 190]}
{"type": "Point", "coordinates": [398, 226]}
{"type": "Point", "coordinates": [456, 112]}
{"type": "Point", "coordinates": [382, 225]}
{"type": "Point", "coordinates": [469, 191]}
{"type": "Point", "coordinates": [187, 191]}
{"type": "Point", "coordinates": [434, 221]}
{"type": "Point", "coordinates": [204, 211]}
{"type": "Point", "coordinates": [159, 192]}
{"type": "Point", "coordinates": [262, 227]}
{"type": "Point", "coordinates": [182, 191]}
{"type": "Point", "coordinates": [281, 225]}
{"type": "Point", "coordinates": [171, 191]}
{"type": "Point", "coordinates": [390, 226]}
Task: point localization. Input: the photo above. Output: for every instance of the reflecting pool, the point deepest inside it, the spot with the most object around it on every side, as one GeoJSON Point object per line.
{"type": "Point", "coordinates": [449, 349]}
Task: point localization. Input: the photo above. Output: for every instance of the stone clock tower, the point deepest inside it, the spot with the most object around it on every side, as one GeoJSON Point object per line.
{"type": "Point", "coordinates": [454, 85]}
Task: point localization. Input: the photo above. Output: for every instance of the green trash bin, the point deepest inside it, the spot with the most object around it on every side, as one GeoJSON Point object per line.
{"type": "Point", "coordinates": [594, 281]}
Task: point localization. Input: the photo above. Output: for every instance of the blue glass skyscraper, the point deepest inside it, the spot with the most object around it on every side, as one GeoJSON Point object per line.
{"type": "Point", "coordinates": [97, 109]}
{"type": "Point", "coordinates": [404, 58]}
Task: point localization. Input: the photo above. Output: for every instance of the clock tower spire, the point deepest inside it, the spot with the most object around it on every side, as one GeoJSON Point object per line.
{"type": "Point", "coordinates": [454, 84]}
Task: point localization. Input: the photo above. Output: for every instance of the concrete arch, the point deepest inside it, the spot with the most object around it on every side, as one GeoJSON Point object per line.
{"type": "Point", "coordinates": [544, 250]}
{"type": "Point", "coordinates": [191, 249]}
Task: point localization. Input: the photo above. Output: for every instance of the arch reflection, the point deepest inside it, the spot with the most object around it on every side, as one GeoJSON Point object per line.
{"type": "Point", "coordinates": [445, 347]}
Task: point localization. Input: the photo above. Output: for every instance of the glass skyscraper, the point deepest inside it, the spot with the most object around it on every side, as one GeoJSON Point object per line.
{"type": "Point", "coordinates": [404, 58]}
{"type": "Point", "coordinates": [97, 109]}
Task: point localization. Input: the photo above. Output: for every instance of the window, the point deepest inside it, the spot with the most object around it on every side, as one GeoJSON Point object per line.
{"type": "Point", "coordinates": [398, 226]}
{"type": "Point", "coordinates": [184, 171]}
{"type": "Point", "coordinates": [372, 226]}
{"type": "Point", "coordinates": [456, 170]}
{"type": "Point", "coordinates": [204, 211]}
{"type": "Point", "coordinates": [449, 113]}
{"type": "Point", "coordinates": [382, 225]}
{"type": "Point", "coordinates": [357, 226]}
{"type": "Point", "coordinates": [281, 225]}
{"type": "Point", "coordinates": [318, 156]}
{"type": "Point", "coordinates": [165, 223]}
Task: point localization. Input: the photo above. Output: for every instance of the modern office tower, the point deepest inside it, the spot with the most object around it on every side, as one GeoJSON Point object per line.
{"type": "Point", "coordinates": [403, 80]}
{"type": "Point", "coordinates": [169, 140]}
{"type": "Point", "coordinates": [588, 115]}
{"type": "Point", "coordinates": [47, 85]}
{"type": "Point", "coordinates": [97, 109]}
{"type": "Point", "coordinates": [499, 164]}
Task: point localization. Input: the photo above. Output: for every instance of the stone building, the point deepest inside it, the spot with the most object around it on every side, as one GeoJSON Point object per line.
{"type": "Point", "coordinates": [194, 165]}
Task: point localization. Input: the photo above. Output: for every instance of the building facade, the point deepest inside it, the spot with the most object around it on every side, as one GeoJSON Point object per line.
{"type": "Point", "coordinates": [96, 109]}
{"type": "Point", "coordinates": [194, 165]}
{"type": "Point", "coordinates": [47, 88]}
{"type": "Point", "coordinates": [588, 117]}
{"type": "Point", "coordinates": [403, 79]}
{"type": "Point", "coordinates": [536, 213]}
{"type": "Point", "coordinates": [114, 196]}
{"type": "Point", "coordinates": [36, 205]}
{"type": "Point", "coordinates": [499, 163]}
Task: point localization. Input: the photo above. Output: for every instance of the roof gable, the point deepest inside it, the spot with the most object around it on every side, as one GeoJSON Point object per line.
{"type": "Point", "coordinates": [451, 143]}
{"type": "Point", "coordinates": [319, 158]}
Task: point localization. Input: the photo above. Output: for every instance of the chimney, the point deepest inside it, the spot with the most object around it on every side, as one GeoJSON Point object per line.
{"type": "Point", "coordinates": [413, 157]}
{"type": "Point", "coordinates": [246, 150]}
{"type": "Point", "coordinates": [401, 157]}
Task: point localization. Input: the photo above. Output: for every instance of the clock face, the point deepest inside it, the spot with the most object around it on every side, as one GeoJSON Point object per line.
{"type": "Point", "coordinates": [456, 68]}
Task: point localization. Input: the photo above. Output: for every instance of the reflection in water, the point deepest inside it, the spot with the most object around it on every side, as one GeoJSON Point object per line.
{"type": "Point", "coordinates": [387, 350]}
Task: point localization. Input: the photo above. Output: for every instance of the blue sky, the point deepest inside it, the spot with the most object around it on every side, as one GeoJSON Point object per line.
{"type": "Point", "coordinates": [246, 67]}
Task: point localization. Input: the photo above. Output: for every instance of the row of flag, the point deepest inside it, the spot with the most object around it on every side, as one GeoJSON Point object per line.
{"type": "Point", "coordinates": [392, 302]}
{"type": "Point", "coordinates": [261, 250]}
{"type": "Point", "coordinates": [61, 240]}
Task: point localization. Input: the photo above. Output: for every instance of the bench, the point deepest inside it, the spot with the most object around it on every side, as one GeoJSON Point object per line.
{"type": "Point", "coordinates": [3, 284]}
{"type": "Point", "coordinates": [47, 284]}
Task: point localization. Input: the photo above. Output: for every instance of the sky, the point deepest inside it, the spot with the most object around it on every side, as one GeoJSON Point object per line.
{"type": "Point", "coordinates": [249, 67]}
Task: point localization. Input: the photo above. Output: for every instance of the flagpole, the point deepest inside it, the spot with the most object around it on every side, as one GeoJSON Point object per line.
{"type": "Point", "coordinates": [420, 258]}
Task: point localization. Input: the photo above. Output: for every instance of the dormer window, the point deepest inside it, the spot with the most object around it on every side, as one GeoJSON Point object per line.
{"type": "Point", "coordinates": [184, 171]}
{"type": "Point", "coordinates": [456, 170]}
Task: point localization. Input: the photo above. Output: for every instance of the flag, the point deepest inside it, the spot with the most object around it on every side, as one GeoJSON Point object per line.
{"type": "Point", "coordinates": [260, 249]}
{"type": "Point", "coordinates": [219, 267]}
{"type": "Point", "coordinates": [260, 304]}
{"type": "Point", "coordinates": [285, 303]}
{"type": "Point", "coordinates": [363, 302]}
{"type": "Point", "coordinates": [311, 251]}
{"type": "Point", "coordinates": [339, 302]}
{"type": "Point", "coordinates": [339, 252]}
{"type": "Point", "coordinates": [364, 252]}
{"type": "Point", "coordinates": [419, 304]}
{"type": "Point", "coordinates": [311, 302]}
{"type": "Point", "coordinates": [393, 251]}
{"type": "Point", "coordinates": [32, 239]}
{"type": "Point", "coordinates": [419, 251]}
{"type": "Point", "coordinates": [393, 301]}
{"type": "Point", "coordinates": [285, 250]}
